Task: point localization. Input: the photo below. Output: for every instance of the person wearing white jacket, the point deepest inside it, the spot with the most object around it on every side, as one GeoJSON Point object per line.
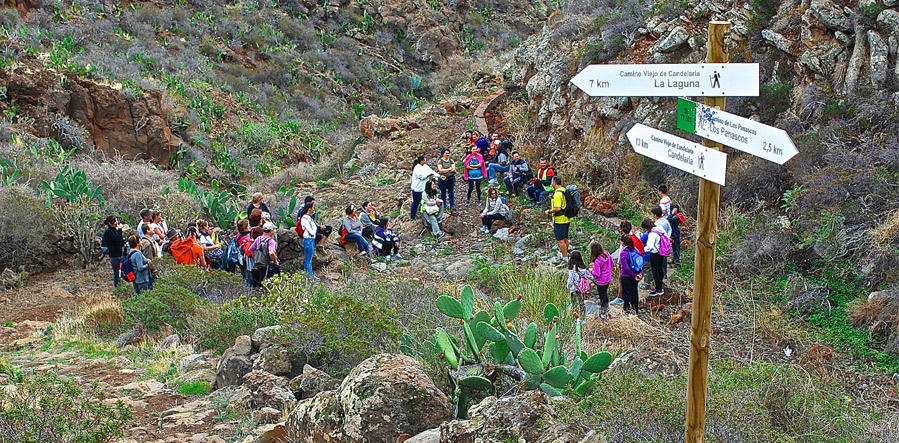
{"type": "Point", "coordinates": [652, 247]}
{"type": "Point", "coordinates": [421, 174]}
{"type": "Point", "coordinates": [309, 230]}
{"type": "Point", "coordinates": [494, 210]}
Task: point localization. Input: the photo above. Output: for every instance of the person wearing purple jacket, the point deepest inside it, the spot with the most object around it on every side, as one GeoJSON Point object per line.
{"type": "Point", "coordinates": [628, 276]}
{"type": "Point", "coordinates": [602, 274]}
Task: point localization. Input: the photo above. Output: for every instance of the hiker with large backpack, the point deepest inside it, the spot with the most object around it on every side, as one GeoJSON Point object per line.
{"type": "Point", "coordinates": [265, 257]}
{"type": "Point", "coordinates": [135, 268]}
{"type": "Point", "coordinates": [112, 244]}
{"type": "Point", "coordinates": [659, 248]}
{"type": "Point", "coordinates": [561, 221]}
{"type": "Point", "coordinates": [631, 265]}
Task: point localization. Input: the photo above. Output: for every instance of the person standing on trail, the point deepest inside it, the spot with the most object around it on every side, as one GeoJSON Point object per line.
{"type": "Point", "coordinates": [265, 257]}
{"type": "Point", "coordinates": [602, 274]}
{"type": "Point", "coordinates": [628, 278]}
{"type": "Point", "coordinates": [114, 244]}
{"type": "Point", "coordinates": [446, 167]}
{"type": "Point", "coordinates": [676, 219]}
{"type": "Point", "coordinates": [664, 200]}
{"type": "Point", "coordinates": [421, 174]}
{"type": "Point", "coordinates": [662, 223]}
{"type": "Point", "coordinates": [561, 223]}
{"type": "Point", "coordinates": [652, 247]}
{"type": "Point", "coordinates": [475, 170]}
{"type": "Point", "coordinates": [140, 264]}
{"type": "Point", "coordinates": [310, 231]}
{"type": "Point", "coordinates": [578, 283]}
{"type": "Point", "coordinates": [257, 203]}
{"type": "Point", "coordinates": [323, 230]}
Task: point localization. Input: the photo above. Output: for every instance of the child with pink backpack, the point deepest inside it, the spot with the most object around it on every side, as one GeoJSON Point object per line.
{"type": "Point", "coordinates": [578, 282]}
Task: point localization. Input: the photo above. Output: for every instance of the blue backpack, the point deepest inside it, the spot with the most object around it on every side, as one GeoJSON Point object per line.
{"type": "Point", "coordinates": [126, 269]}
{"type": "Point", "coordinates": [635, 261]}
{"type": "Point", "coordinates": [232, 255]}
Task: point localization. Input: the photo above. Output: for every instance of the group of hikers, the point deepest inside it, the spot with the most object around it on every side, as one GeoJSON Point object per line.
{"type": "Point", "coordinates": [644, 256]}
{"type": "Point", "coordinates": [253, 250]}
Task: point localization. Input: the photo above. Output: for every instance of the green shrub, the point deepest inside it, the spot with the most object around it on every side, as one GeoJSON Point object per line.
{"type": "Point", "coordinates": [774, 98]}
{"type": "Point", "coordinates": [47, 408]}
{"type": "Point", "coordinates": [234, 322]}
{"type": "Point", "coordinates": [333, 330]}
{"type": "Point", "coordinates": [166, 303]}
{"type": "Point", "coordinates": [199, 387]}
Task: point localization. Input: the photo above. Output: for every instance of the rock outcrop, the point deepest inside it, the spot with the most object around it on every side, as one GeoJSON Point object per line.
{"type": "Point", "coordinates": [77, 111]}
{"type": "Point", "coordinates": [382, 398]}
{"type": "Point", "coordinates": [527, 417]}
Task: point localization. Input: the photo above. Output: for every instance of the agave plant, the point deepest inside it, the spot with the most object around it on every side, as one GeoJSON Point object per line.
{"type": "Point", "coordinates": [493, 348]}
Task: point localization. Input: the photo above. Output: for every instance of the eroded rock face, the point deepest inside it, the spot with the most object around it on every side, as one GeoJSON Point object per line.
{"type": "Point", "coordinates": [384, 397]}
{"type": "Point", "coordinates": [311, 382]}
{"type": "Point", "coordinates": [231, 369]}
{"type": "Point", "coordinates": [132, 127]}
{"type": "Point", "coordinates": [525, 417]}
{"type": "Point", "coordinates": [23, 6]}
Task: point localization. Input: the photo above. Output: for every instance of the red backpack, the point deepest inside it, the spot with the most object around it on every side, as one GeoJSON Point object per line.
{"type": "Point", "coordinates": [299, 229]}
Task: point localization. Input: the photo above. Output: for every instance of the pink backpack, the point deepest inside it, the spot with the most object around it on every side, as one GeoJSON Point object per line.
{"type": "Point", "coordinates": [583, 284]}
{"type": "Point", "coordinates": [664, 243]}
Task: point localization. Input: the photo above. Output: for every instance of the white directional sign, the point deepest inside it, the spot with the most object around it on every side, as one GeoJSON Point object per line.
{"type": "Point", "coordinates": [679, 153]}
{"type": "Point", "coordinates": [669, 80]}
{"type": "Point", "coordinates": [737, 132]}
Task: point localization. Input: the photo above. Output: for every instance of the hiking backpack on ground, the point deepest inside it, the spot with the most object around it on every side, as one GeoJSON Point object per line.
{"type": "Point", "coordinates": [126, 269]}
{"type": "Point", "coordinates": [635, 261]}
{"type": "Point", "coordinates": [664, 243]}
{"type": "Point", "coordinates": [572, 202]}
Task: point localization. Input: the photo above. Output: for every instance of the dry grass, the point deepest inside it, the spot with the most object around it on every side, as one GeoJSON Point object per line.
{"type": "Point", "coordinates": [84, 322]}
{"type": "Point", "coordinates": [888, 231]}
{"type": "Point", "coordinates": [625, 333]}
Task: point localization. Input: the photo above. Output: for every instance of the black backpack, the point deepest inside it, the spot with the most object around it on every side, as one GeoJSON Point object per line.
{"type": "Point", "coordinates": [572, 202]}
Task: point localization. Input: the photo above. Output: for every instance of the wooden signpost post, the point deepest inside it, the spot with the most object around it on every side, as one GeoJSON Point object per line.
{"type": "Point", "coordinates": [704, 274]}
{"type": "Point", "coordinates": [714, 80]}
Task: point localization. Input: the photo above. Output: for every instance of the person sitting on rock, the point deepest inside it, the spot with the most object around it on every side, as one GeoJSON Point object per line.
{"type": "Point", "coordinates": [500, 164]}
{"type": "Point", "coordinates": [385, 241]}
{"type": "Point", "coordinates": [495, 209]}
{"type": "Point", "coordinates": [146, 216]}
{"type": "Point", "coordinates": [211, 247]}
{"type": "Point", "coordinates": [432, 210]}
{"type": "Point", "coordinates": [367, 216]}
{"type": "Point", "coordinates": [519, 174]}
{"type": "Point", "coordinates": [257, 203]}
{"type": "Point", "coordinates": [352, 229]}
{"type": "Point", "coordinates": [186, 251]}
{"type": "Point", "coordinates": [542, 183]}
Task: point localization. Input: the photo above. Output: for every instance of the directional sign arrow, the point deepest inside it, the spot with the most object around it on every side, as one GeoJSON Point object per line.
{"type": "Point", "coordinates": [670, 80]}
{"type": "Point", "coordinates": [737, 132]}
{"type": "Point", "coordinates": [679, 153]}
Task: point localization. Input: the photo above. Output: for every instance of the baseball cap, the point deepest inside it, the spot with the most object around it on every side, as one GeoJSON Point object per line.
{"type": "Point", "coordinates": [145, 212]}
{"type": "Point", "coordinates": [268, 227]}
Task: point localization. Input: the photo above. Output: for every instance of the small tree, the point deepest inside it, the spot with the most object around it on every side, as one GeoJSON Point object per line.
{"type": "Point", "coordinates": [78, 206]}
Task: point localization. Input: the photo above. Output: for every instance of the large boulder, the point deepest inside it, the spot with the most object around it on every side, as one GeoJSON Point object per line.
{"type": "Point", "coordinates": [273, 359]}
{"type": "Point", "coordinates": [231, 369]}
{"type": "Point", "coordinates": [267, 390]}
{"type": "Point", "coordinates": [311, 382]}
{"type": "Point", "coordinates": [527, 417]}
{"type": "Point", "coordinates": [384, 397]}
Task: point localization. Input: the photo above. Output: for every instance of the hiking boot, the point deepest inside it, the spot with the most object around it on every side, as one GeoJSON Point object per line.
{"type": "Point", "coordinates": [441, 235]}
{"type": "Point", "coordinates": [616, 302]}
{"type": "Point", "coordinates": [398, 257]}
{"type": "Point", "coordinates": [468, 203]}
